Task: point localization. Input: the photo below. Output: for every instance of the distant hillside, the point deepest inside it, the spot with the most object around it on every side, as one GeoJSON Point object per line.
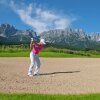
{"type": "Point", "coordinates": [10, 35]}
{"type": "Point", "coordinates": [72, 39]}
{"type": "Point", "coordinates": [65, 38]}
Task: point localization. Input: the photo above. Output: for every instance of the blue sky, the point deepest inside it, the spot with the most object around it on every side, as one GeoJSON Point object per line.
{"type": "Point", "coordinates": [43, 15]}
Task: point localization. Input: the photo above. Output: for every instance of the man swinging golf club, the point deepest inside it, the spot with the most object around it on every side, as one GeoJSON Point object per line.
{"type": "Point", "coordinates": [35, 47]}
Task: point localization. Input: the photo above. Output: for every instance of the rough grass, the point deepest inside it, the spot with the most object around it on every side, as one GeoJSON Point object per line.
{"type": "Point", "coordinates": [45, 54]}
{"type": "Point", "coordinates": [23, 51]}
{"type": "Point", "coordinates": [24, 96]}
{"type": "Point", "coordinates": [42, 54]}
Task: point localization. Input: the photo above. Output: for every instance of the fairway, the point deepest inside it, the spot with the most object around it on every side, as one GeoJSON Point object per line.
{"type": "Point", "coordinates": [57, 76]}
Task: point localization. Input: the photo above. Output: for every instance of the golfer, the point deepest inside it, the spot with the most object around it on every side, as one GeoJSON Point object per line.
{"type": "Point", "coordinates": [35, 61]}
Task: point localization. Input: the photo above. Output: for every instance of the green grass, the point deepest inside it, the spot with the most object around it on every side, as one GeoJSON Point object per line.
{"type": "Point", "coordinates": [57, 54]}
{"type": "Point", "coordinates": [24, 96]}
{"type": "Point", "coordinates": [23, 51]}
{"type": "Point", "coordinates": [14, 54]}
{"type": "Point", "coordinates": [42, 54]}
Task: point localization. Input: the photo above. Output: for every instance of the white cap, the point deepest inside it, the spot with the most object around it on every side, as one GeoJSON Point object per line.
{"type": "Point", "coordinates": [31, 39]}
{"type": "Point", "coordinates": [42, 41]}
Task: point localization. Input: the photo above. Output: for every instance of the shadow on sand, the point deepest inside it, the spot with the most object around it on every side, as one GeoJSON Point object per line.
{"type": "Point", "coordinates": [59, 73]}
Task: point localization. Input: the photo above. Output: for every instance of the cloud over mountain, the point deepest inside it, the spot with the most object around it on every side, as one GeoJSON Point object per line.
{"type": "Point", "coordinates": [39, 18]}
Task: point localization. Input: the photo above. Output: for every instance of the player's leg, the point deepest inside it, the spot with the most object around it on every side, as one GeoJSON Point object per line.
{"type": "Point", "coordinates": [37, 60]}
{"type": "Point", "coordinates": [32, 59]}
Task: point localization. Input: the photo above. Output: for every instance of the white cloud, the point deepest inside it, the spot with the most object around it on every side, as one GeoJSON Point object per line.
{"type": "Point", "coordinates": [41, 19]}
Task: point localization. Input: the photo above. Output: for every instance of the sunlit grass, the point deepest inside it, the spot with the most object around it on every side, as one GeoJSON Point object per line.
{"type": "Point", "coordinates": [27, 96]}
{"type": "Point", "coordinates": [23, 51]}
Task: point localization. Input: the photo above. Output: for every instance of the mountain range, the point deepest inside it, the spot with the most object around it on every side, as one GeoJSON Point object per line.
{"type": "Point", "coordinates": [66, 38]}
{"type": "Point", "coordinates": [10, 35]}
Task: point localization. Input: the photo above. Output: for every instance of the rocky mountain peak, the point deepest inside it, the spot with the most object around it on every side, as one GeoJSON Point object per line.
{"type": "Point", "coordinates": [76, 38]}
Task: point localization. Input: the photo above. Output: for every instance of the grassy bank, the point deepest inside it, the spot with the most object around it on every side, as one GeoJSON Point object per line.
{"type": "Point", "coordinates": [42, 54]}
{"type": "Point", "coordinates": [16, 96]}
{"type": "Point", "coordinates": [23, 51]}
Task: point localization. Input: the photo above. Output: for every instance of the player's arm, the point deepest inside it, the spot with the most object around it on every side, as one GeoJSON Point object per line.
{"type": "Point", "coordinates": [32, 44]}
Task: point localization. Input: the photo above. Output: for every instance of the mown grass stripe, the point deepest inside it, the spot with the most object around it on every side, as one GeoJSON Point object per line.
{"type": "Point", "coordinates": [27, 96]}
{"type": "Point", "coordinates": [43, 54]}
